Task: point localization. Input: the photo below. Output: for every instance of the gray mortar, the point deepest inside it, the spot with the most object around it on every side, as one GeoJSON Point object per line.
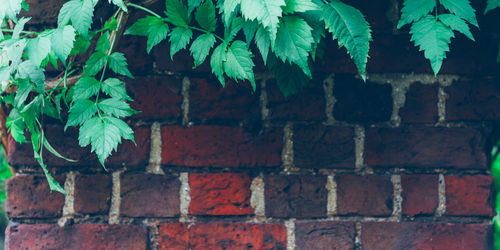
{"type": "Point", "coordinates": [264, 111]}
{"type": "Point", "coordinates": [397, 198]}
{"type": "Point", "coordinates": [186, 83]}
{"type": "Point", "coordinates": [441, 209]}
{"type": "Point", "coordinates": [69, 199]}
{"type": "Point", "coordinates": [257, 200]}
{"type": "Point", "coordinates": [114, 210]}
{"type": "Point", "coordinates": [290, 234]}
{"type": "Point", "coordinates": [154, 166]}
{"type": "Point", "coordinates": [185, 196]}
{"type": "Point", "coordinates": [287, 154]}
{"type": "Point", "coordinates": [359, 145]}
{"type": "Point", "coordinates": [330, 100]}
{"type": "Point", "coordinates": [357, 238]}
{"type": "Point", "coordinates": [331, 186]}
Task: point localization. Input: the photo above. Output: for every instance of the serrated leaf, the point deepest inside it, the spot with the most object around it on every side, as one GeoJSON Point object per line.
{"type": "Point", "coordinates": [28, 70]}
{"type": "Point", "coordinates": [120, 4]}
{"type": "Point", "coordinates": [249, 29]}
{"type": "Point", "coordinates": [52, 150]}
{"type": "Point", "coordinates": [19, 27]}
{"type": "Point", "coordinates": [38, 49]}
{"type": "Point", "coordinates": [293, 42]}
{"type": "Point", "coordinates": [456, 23]}
{"type": "Point", "coordinates": [179, 39]}
{"type": "Point", "coordinates": [115, 107]}
{"type": "Point", "coordinates": [433, 37]}
{"type": "Point", "coordinates": [205, 16]}
{"type": "Point", "coordinates": [103, 44]}
{"type": "Point", "coordinates": [62, 42]}
{"type": "Point", "coordinates": [104, 138]}
{"type": "Point", "coordinates": [11, 8]}
{"type": "Point", "coordinates": [491, 4]}
{"type": "Point", "coordinates": [118, 64]}
{"type": "Point", "coordinates": [81, 111]}
{"type": "Point", "coordinates": [217, 62]}
{"type": "Point", "coordinates": [87, 131]}
{"type": "Point", "coordinates": [80, 12]}
{"type": "Point", "coordinates": [140, 27]}
{"type": "Point", "coordinates": [266, 12]}
{"type": "Point", "coordinates": [85, 88]}
{"type": "Point", "coordinates": [414, 10]}
{"type": "Point", "coordinates": [115, 88]}
{"type": "Point", "coordinates": [292, 6]}
{"type": "Point", "coordinates": [232, 31]}
{"type": "Point", "coordinates": [95, 63]}
{"type": "Point", "coordinates": [290, 78]}
{"type": "Point", "coordinates": [239, 64]}
{"type": "Point", "coordinates": [81, 45]}
{"type": "Point", "coordinates": [192, 4]}
{"type": "Point", "coordinates": [157, 32]}
{"type": "Point", "coordinates": [263, 42]}
{"type": "Point", "coordinates": [228, 9]}
{"type": "Point", "coordinates": [177, 13]}
{"type": "Point", "coordinates": [462, 9]}
{"type": "Point", "coordinates": [125, 131]}
{"type": "Point", "coordinates": [351, 30]}
{"type": "Point", "coordinates": [201, 48]}
{"type": "Point", "coordinates": [24, 88]}
{"type": "Point", "coordinates": [16, 126]}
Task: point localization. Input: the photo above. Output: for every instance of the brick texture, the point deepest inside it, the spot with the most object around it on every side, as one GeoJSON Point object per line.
{"type": "Point", "coordinates": [324, 235]}
{"type": "Point", "coordinates": [421, 104]}
{"type": "Point", "coordinates": [469, 195]}
{"type": "Point", "coordinates": [92, 194]}
{"type": "Point", "coordinates": [420, 194]}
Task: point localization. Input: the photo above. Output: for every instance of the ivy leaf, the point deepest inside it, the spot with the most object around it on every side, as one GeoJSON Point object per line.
{"type": "Point", "coordinates": [414, 10]}
{"type": "Point", "coordinates": [462, 9]}
{"type": "Point", "coordinates": [120, 4]}
{"type": "Point", "coordinates": [95, 63]}
{"type": "Point", "coordinates": [81, 111]}
{"type": "Point", "coordinates": [293, 6]}
{"type": "Point", "coordinates": [456, 23]}
{"type": "Point", "coordinates": [266, 12]}
{"type": "Point", "coordinates": [192, 4]}
{"type": "Point", "coordinates": [217, 62]}
{"type": "Point", "coordinates": [179, 39]}
{"type": "Point", "coordinates": [85, 88]}
{"type": "Point", "coordinates": [293, 42]}
{"type": "Point", "coordinates": [239, 64]}
{"type": "Point", "coordinates": [491, 4]}
{"type": "Point", "coordinates": [115, 88]}
{"type": "Point", "coordinates": [352, 31]}
{"type": "Point", "coordinates": [177, 13]}
{"type": "Point", "coordinates": [433, 37]}
{"type": "Point", "coordinates": [153, 27]}
{"type": "Point", "coordinates": [103, 136]}
{"type": "Point", "coordinates": [118, 64]}
{"type": "Point", "coordinates": [80, 12]}
{"type": "Point", "coordinates": [201, 48]}
{"type": "Point", "coordinates": [263, 42]}
{"type": "Point", "coordinates": [205, 16]}
{"type": "Point", "coordinates": [115, 107]}
{"type": "Point", "coordinates": [38, 49]}
{"type": "Point", "coordinates": [290, 78]}
{"type": "Point", "coordinates": [62, 41]}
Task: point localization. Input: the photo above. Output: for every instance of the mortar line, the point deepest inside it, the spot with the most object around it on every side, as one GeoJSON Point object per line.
{"type": "Point", "coordinates": [290, 234]}
{"type": "Point", "coordinates": [441, 209]}
{"type": "Point", "coordinates": [331, 186]}
{"type": "Point", "coordinates": [154, 166]}
{"type": "Point", "coordinates": [287, 154]}
{"type": "Point", "coordinates": [186, 83]}
{"type": "Point", "coordinates": [359, 144]}
{"type": "Point", "coordinates": [357, 238]}
{"type": "Point", "coordinates": [441, 104]}
{"type": "Point", "coordinates": [185, 196]}
{"type": "Point", "coordinates": [330, 100]}
{"type": "Point", "coordinates": [114, 210]}
{"type": "Point", "coordinates": [263, 101]}
{"type": "Point", "coordinates": [69, 199]}
{"type": "Point", "coordinates": [154, 233]}
{"type": "Point", "coordinates": [257, 197]}
{"type": "Point", "coordinates": [397, 197]}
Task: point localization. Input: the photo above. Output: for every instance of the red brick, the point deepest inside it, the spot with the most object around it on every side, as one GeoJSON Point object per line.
{"type": "Point", "coordinates": [404, 235]}
{"type": "Point", "coordinates": [130, 155]}
{"type": "Point", "coordinates": [469, 195]}
{"type": "Point", "coordinates": [218, 146]}
{"type": "Point", "coordinates": [425, 147]}
{"type": "Point", "coordinates": [370, 195]}
{"type": "Point", "coordinates": [138, 60]}
{"type": "Point", "coordinates": [209, 101]}
{"type": "Point", "coordinates": [92, 194]}
{"type": "Point", "coordinates": [222, 235]}
{"type": "Point", "coordinates": [29, 196]}
{"type": "Point", "coordinates": [357, 101]}
{"type": "Point", "coordinates": [82, 236]}
{"type": "Point", "coordinates": [323, 147]}
{"type": "Point", "coordinates": [295, 196]}
{"type": "Point", "coordinates": [148, 195]}
{"type": "Point", "coordinates": [420, 194]}
{"type": "Point", "coordinates": [324, 235]}
{"type": "Point", "coordinates": [307, 105]}
{"type": "Point", "coordinates": [43, 12]}
{"type": "Point", "coordinates": [421, 104]}
{"type": "Point", "coordinates": [182, 62]}
{"type": "Point", "coordinates": [220, 194]}
{"type": "Point", "coordinates": [156, 97]}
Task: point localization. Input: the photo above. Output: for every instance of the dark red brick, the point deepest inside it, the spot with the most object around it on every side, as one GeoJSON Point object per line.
{"type": "Point", "coordinates": [295, 196]}
{"type": "Point", "coordinates": [130, 155]}
{"type": "Point", "coordinates": [92, 194]}
{"type": "Point", "coordinates": [307, 105]}
{"type": "Point", "coordinates": [413, 235]}
{"type": "Point", "coordinates": [156, 97]}
{"type": "Point", "coordinates": [469, 195]}
{"type": "Point", "coordinates": [148, 195]}
{"type": "Point", "coordinates": [220, 194]}
{"type": "Point", "coordinates": [357, 101]}
{"type": "Point", "coordinates": [421, 104]}
{"type": "Point", "coordinates": [420, 194]}
{"type": "Point", "coordinates": [474, 99]}
{"type": "Point", "coordinates": [324, 235]}
{"type": "Point", "coordinates": [323, 147]}
{"type": "Point", "coordinates": [370, 195]}
{"type": "Point", "coordinates": [82, 236]}
{"type": "Point", "coordinates": [29, 196]}
{"type": "Point", "coordinates": [209, 101]}
{"type": "Point", "coordinates": [425, 147]}
{"type": "Point", "coordinates": [222, 235]}
{"type": "Point", "coordinates": [134, 49]}
{"type": "Point", "coordinates": [182, 62]}
{"type": "Point", "coordinates": [43, 12]}
{"type": "Point", "coordinates": [218, 146]}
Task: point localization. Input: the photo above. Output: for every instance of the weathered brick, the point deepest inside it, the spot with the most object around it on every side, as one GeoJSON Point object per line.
{"type": "Point", "coordinates": [92, 194]}
{"type": "Point", "coordinates": [156, 97]}
{"type": "Point", "coordinates": [308, 105]}
{"type": "Point", "coordinates": [218, 146]}
{"type": "Point", "coordinates": [469, 195]}
{"type": "Point", "coordinates": [295, 196]}
{"type": "Point", "coordinates": [182, 62]}
{"type": "Point", "coordinates": [209, 101]}
{"type": "Point", "coordinates": [414, 235]}
{"type": "Point", "coordinates": [43, 12]}
{"type": "Point", "coordinates": [148, 195]}
{"type": "Point", "coordinates": [420, 194]}
{"type": "Point", "coordinates": [29, 196]}
{"type": "Point", "coordinates": [421, 104]}
{"type": "Point", "coordinates": [138, 60]}
{"type": "Point", "coordinates": [222, 235]}
{"type": "Point", "coordinates": [425, 147]}
{"type": "Point", "coordinates": [220, 194]}
{"type": "Point", "coordinates": [323, 147]}
{"type": "Point", "coordinates": [80, 236]}
{"type": "Point", "coordinates": [357, 101]}
{"type": "Point", "coordinates": [370, 195]}
{"type": "Point", "coordinates": [324, 235]}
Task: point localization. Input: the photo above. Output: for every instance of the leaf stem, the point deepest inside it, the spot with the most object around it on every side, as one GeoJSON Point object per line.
{"type": "Point", "coordinates": [144, 9]}
{"type": "Point", "coordinates": [206, 31]}
{"type": "Point", "coordinates": [22, 32]}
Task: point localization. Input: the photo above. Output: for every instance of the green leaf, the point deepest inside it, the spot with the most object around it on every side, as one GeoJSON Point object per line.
{"type": "Point", "coordinates": [414, 10]}
{"type": "Point", "coordinates": [115, 107]}
{"type": "Point", "coordinates": [179, 39]}
{"type": "Point", "coordinates": [118, 64]}
{"type": "Point", "coordinates": [352, 31]}
{"type": "Point", "coordinates": [125, 131]}
{"type": "Point", "coordinates": [120, 4]}
{"type": "Point", "coordinates": [293, 42]}
{"type": "Point", "coordinates": [462, 9]}
{"type": "Point", "coordinates": [249, 29]}
{"type": "Point", "coordinates": [112, 24]}
{"type": "Point", "coordinates": [95, 63]}
{"type": "Point", "coordinates": [115, 88]}
{"type": "Point", "coordinates": [140, 27]}
{"type": "Point", "coordinates": [103, 44]}
{"type": "Point", "coordinates": [24, 88]}
{"type": "Point", "coordinates": [85, 88]}
{"type": "Point", "coordinates": [266, 12]}
{"type": "Point", "coordinates": [228, 9]}
{"type": "Point", "coordinates": [38, 49]}
{"type": "Point", "coordinates": [456, 23]}
{"type": "Point", "coordinates": [232, 31]}
{"type": "Point", "coordinates": [217, 62]}
{"type": "Point", "coordinates": [293, 6]}
{"type": "Point", "coordinates": [62, 41]}
{"type": "Point", "coordinates": [103, 135]}
{"type": "Point", "coordinates": [177, 13]}
{"type": "Point", "coordinates": [157, 32]}
{"type": "Point", "coordinates": [81, 45]}
{"type": "Point", "coordinates": [80, 12]}
{"type": "Point", "coordinates": [19, 27]}
{"type": "Point", "coordinates": [52, 150]}
{"type": "Point", "coordinates": [201, 48]}
{"type": "Point", "coordinates": [30, 71]}
{"type": "Point", "coordinates": [81, 111]}
{"type": "Point", "coordinates": [87, 130]}
{"type": "Point", "coordinates": [433, 37]}
{"type": "Point", "coordinates": [16, 126]}
{"type": "Point", "coordinates": [263, 42]}
{"type": "Point", "coordinates": [11, 8]}
{"type": "Point", "coordinates": [205, 16]}
{"type": "Point", "coordinates": [290, 78]}
{"type": "Point", "coordinates": [239, 64]}
{"type": "Point", "coordinates": [192, 4]}
{"type": "Point", "coordinates": [491, 4]}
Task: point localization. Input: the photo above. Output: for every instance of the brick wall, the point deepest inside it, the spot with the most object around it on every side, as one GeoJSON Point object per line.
{"type": "Point", "coordinates": [399, 162]}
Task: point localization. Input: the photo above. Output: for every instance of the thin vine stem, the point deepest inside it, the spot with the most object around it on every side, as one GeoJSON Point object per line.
{"type": "Point", "coordinates": [144, 9]}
